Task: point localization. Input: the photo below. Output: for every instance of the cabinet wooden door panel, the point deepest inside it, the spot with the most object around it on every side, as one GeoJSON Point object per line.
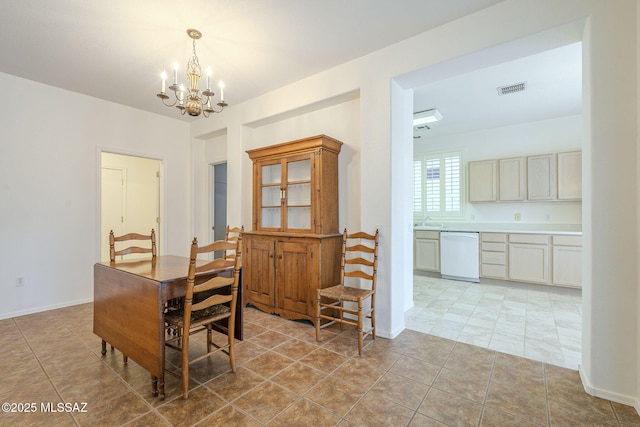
{"type": "Point", "coordinates": [567, 266]}
{"type": "Point", "coordinates": [483, 181]}
{"type": "Point", "coordinates": [511, 179]}
{"type": "Point", "coordinates": [570, 176]}
{"type": "Point", "coordinates": [541, 177]}
{"type": "Point", "coordinates": [427, 255]}
{"type": "Point", "coordinates": [529, 263]}
{"type": "Point", "coordinates": [258, 259]}
{"type": "Point", "coordinates": [294, 276]}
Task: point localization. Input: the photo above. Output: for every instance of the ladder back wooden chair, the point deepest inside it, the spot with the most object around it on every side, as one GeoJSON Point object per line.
{"type": "Point", "coordinates": [358, 271]}
{"type": "Point", "coordinates": [231, 235]}
{"type": "Point", "coordinates": [131, 249]}
{"type": "Point", "coordinates": [206, 304]}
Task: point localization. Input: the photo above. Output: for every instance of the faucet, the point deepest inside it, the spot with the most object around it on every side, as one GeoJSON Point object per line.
{"type": "Point", "coordinates": [424, 221]}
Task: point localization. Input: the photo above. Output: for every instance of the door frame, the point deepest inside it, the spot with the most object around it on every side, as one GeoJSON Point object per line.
{"type": "Point", "coordinates": [161, 208]}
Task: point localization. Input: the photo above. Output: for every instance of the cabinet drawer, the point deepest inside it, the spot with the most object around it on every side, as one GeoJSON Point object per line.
{"type": "Point", "coordinates": [427, 234]}
{"type": "Point", "coordinates": [493, 247]}
{"type": "Point", "coordinates": [491, 270]}
{"type": "Point", "coordinates": [498, 258]}
{"type": "Point", "coordinates": [494, 237]}
{"type": "Point", "coordinates": [536, 239]}
{"type": "Point", "coordinates": [567, 240]}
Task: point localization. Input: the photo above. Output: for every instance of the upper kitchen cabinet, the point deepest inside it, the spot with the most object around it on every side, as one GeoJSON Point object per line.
{"type": "Point", "coordinates": [546, 177]}
{"type": "Point", "coordinates": [296, 186]}
{"type": "Point", "coordinates": [570, 175]}
{"type": "Point", "coordinates": [483, 181]}
{"type": "Point", "coordinates": [541, 177]}
{"type": "Point", "coordinates": [511, 179]}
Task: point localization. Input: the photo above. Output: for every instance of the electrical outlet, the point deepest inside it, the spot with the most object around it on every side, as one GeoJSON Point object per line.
{"type": "Point", "coordinates": [547, 217]}
{"type": "Point", "coordinates": [20, 281]}
{"type": "Point", "coordinates": [517, 217]}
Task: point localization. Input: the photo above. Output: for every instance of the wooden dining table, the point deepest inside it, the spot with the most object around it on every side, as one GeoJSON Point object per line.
{"type": "Point", "coordinates": [129, 305]}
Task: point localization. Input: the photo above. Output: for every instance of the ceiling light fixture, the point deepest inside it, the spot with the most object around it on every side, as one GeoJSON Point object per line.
{"type": "Point", "coordinates": [192, 101]}
{"type": "Point", "coordinates": [426, 116]}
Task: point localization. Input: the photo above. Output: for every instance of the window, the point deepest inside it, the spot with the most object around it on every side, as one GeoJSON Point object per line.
{"type": "Point", "coordinates": [437, 188]}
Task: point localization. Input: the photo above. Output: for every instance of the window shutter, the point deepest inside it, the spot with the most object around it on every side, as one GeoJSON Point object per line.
{"type": "Point", "coordinates": [452, 184]}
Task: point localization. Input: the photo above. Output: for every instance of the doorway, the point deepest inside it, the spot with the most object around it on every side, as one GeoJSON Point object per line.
{"type": "Point", "coordinates": [466, 312]}
{"type": "Point", "coordinates": [219, 203]}
{"type": "Point", "coordinates": [130, 197]}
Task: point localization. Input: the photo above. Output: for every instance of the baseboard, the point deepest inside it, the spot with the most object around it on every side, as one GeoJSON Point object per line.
{"type": "Point", "coordinates": [606, 394]}
{"type": "Point", "coordinates": [43, 308]}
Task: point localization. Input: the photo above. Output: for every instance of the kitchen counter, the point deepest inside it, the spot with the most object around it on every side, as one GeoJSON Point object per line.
{"type": "Point", "coordinates": [529, 228]}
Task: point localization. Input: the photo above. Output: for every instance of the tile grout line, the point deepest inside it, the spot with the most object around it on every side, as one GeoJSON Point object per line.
{"type": "Point", "coordinates": [42, 367]}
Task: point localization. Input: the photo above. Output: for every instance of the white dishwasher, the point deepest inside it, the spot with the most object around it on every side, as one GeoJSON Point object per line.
{"type": "Point", "coordinates": [460, 256]}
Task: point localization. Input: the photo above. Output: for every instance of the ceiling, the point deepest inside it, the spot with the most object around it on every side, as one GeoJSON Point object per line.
{"type": "Point", "coordinates": [116, 50]}
{"type": "Point", "coordinates": [470, 101]}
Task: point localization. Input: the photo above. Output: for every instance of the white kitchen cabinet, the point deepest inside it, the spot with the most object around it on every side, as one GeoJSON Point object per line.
{"type": "Point", "coordinates": [426, 251]}
{"type": "Point", "coordinates": [567, 261]}
{"type": "Point", "coordinates": [570, 175]}
{"type": "Point", "coordinates": [483, 181]}
{"type": "Point", "coordinates": [546, 177]}
{"type": "Point", "coordinates": [493, 255]}
{"type": "Point", "coordinates": [511, 179]}
{"type": "Point", "coordinates": [529, 258]}
{"type": "Point", "coordinates": [541, 177]}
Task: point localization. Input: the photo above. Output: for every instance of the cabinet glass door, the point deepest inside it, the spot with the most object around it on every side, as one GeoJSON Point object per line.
{"type": "Point", "coordinates": [271, 197]}
{"type": "Point", "coordinates": [298, 194]}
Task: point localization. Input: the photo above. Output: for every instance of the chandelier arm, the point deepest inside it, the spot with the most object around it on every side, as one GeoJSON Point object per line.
{"type": "Point", "coordinates": [175, 101]}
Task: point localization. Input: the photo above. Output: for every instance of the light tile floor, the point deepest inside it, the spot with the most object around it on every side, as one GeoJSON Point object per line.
{"type": "Point", "coordinates": [543, 323]}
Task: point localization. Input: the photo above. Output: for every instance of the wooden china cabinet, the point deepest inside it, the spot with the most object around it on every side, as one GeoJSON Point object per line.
{"type": "Point", "coordinates": [294, 247]}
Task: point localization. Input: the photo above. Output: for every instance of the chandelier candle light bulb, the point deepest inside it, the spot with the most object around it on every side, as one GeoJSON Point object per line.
{"type": "Point", "coordinates": [197, 101]}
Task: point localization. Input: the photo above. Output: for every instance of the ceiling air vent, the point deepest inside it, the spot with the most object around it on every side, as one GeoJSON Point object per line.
{"type": "Point", "coordinates": [506, 90]}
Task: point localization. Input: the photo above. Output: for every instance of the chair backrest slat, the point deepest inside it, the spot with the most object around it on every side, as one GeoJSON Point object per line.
{"type": "Point", "coordinates": [113, 239]}
{"type": "Point", "coordinates": [231, 235]}
{"type": "Point", "coordinates": [359, 257]}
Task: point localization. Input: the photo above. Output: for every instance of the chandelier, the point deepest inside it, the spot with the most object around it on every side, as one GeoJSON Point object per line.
{"type": "Point", "coordinates": [191, 101]}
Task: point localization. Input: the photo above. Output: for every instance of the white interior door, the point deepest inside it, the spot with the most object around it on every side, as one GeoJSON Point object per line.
{"type": "Point", "coordinates": [133, 197]}
{"type": "Point", "coordinates": [113, 206]}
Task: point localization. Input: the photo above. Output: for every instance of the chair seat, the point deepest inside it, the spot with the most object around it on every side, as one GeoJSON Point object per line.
{"type": "Point", "coordinates": [345, 293]}
{"type": "Point", "coordinates": [198, 318]}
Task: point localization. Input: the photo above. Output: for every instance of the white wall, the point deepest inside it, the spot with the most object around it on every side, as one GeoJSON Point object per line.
{"type": "Point", "coordinates": [49, 189]}
{"type": "Point", "coordinates": [610, 366]}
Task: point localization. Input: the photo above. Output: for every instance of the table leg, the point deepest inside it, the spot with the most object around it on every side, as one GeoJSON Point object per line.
{"type": "Point", "coordinates": [154, 386]}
